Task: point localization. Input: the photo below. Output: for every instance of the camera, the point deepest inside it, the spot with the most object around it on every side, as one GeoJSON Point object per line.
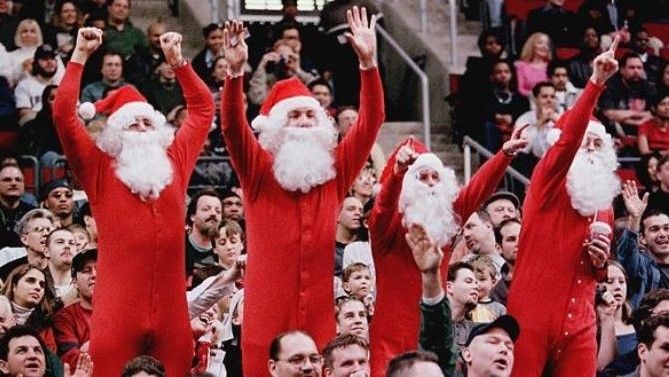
{"type": "Point", "coordinates": [279, 69]}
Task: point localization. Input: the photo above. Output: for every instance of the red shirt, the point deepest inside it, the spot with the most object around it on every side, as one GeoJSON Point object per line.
{"type": "Point", "coordinates": [658, 138]}
{"type": "Point", "coordinates": [72, 328]}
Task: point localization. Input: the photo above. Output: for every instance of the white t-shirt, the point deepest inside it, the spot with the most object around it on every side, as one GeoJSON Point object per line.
{"type": "Point", "coordinates": [28, 92]}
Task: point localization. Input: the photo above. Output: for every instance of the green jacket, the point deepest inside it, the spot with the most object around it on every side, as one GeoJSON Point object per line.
{"type": "Point", "coordinates": [437, 334]}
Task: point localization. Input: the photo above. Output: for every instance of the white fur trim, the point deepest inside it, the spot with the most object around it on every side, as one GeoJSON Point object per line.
{"type": "Point", "coordinates": [86, 111]}
{"type": "Point", "coordinates": [258, 122]}
{"type": "Point", "coordinates": [278, 114]}
{"type": "Point", "coordinates": [593, 126]}
{"type": "Point", "coordinates": [427, 160]}
{"type": "Point", "coordinates": [126, 114]}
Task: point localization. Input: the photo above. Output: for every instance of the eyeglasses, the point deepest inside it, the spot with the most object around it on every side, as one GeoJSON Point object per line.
{"type": "Point", "coordinates": [41, 229]}
{"type": "Point", "coordinates": [299, 361]}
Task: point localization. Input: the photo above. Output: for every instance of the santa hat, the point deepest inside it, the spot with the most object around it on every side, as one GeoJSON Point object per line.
{"type": "Point", "coordinates": [594, 126]}
{"type": "Point", "coordinates": [121, 106]}
{"type": "Point", "coordinates": [417, 146]}
{"type": "Point", "coordinates": [285, 96]}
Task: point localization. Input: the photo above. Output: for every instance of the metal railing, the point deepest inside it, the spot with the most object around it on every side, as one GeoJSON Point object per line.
{"type": "Point", "coordinates": [510, 177]}
{"type": "Point", "coordinates": [452, 25]}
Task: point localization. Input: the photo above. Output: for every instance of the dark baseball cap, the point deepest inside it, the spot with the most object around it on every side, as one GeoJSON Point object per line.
{"type": "Point", "coordinates": [505, 322]}
{"type": "Point", "coordinates": [503, 195]}
{"type": "Point", "coordinates": [79, 261]}
{"type": "Point", "coordinates": [52, 185]}
{"type": "Point", "coordinates": [44, 51]}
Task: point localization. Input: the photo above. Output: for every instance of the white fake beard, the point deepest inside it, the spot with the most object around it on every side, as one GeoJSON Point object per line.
{"type": "Point", "coordinates": [431, 207]}
{"type": "Point", "coordinates": [141, 159]}
{"type": "Point", "coordinates": [592, 183]}
{"type": "Point", "coordinates": [303, 157]}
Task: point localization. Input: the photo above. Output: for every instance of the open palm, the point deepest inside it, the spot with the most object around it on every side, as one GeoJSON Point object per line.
{"type": "Point", "coordinates": [363, 35]}
{"type": "Point", "coordinates": [235, 50]}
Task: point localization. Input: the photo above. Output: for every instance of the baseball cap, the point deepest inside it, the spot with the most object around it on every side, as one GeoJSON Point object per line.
{"type": "Point", "coordinates": [44, 51]}
{"type": "Point", "coordinates": [505, 322]}
{"type": "Point", "coordinates": [503, 195]}
{"type": "Point", "coordinates": [80, 260]}
{"type": "Point", "coordinates": [52, 185]}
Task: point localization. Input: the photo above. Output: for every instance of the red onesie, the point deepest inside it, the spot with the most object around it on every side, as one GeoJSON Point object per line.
{"type": "Point", "coordinates": [288, 282]}
{"type": "Point", "coordinates": [397, 319]}
{"type": "Point", "coordinates": [553, 290]}
{"type": "Point", "coordinates": [140, 301]}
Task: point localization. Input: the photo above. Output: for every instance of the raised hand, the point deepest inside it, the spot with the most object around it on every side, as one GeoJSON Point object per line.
{"type": "Point", "coordinates": [605, 64]}
{"type": "Point", "coordinates": [84, 367]}
{"type": "Point", "coordinates": [635, 205]}
{"type": "Point", "coordinates": [404, 158]}
{"type": "Point", "coordinates": [235, 50]}
{"type": "Point", "coordinates": [598, 249]}
{"type": "Point", "coordinates": [426, 253]}
{"type": "Point", "coordinates": [88, 40]}
{"type": "Point", "coordinates": [170, 43]}
{"type": "Point", "coordinates": [362, 36]}
{"type": "Point", "coordinates": [516, 142]}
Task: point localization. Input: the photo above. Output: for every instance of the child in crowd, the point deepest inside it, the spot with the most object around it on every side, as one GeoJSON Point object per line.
{"type": "Point", "coordinates": [487, 309]}
{"type": "Point", "coordinates": [357, 283]}
{"type": "Point", "coordinates": [228, 243]}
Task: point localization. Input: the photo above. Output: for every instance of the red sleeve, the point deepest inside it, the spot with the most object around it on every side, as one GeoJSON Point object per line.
{"type": "Point", "coordinates": [482, 185]}
{"type": "Point", "coordinates": [385, 218]}
{"type": "Point", "coordinates": [246, 154]}
{"type": "Point", "coordinates": [644, 128]}
{"type": "Point", "coordinates": [64, 327]}
{"type": "Point", "coordinates": [554, 166]}
{"type": "Point", "coordinates": [354, 149]}
{"type": "Point", "coordinates": [49, 340]}
{"type": "Point", "coordinates": [83, 156]}
{"type": "Point", "coordinates": [190, 137]}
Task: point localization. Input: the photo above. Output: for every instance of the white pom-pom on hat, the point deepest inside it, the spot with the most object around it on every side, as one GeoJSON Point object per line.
{"type": "Point", "coordinates": [86, 111]}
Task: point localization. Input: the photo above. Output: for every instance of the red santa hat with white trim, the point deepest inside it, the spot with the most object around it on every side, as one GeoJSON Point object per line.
{"type": "Point", "coordinates": [425, 159]}
{"type": "Point", "coordinates": [594, 126]}
{"type": "Point", "coordinates": [121, 106]}
{"type": "Point", "coordinates": [285, 96]}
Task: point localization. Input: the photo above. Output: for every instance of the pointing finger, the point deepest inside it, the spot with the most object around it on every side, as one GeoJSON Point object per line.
{"type": "Point", "coordinates": [616, 42]}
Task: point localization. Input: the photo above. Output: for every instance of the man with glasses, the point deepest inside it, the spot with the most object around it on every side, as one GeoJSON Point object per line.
{"type": "Point", "coordinates": [294, 354]}
{"type": "Point", "coordinates": [33, 229]}
{"type": "Point", "coordinates": [12, 208]}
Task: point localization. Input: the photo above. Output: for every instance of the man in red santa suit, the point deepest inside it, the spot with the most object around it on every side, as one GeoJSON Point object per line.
{"type": "Point", "coordinates": [136, 179]}
{"type": "Point", "coordinates": [560, 259]}
{"type": "Point", "coordinates": [294, 178]}
{"type": "Point", "coordinates": [418, 189]}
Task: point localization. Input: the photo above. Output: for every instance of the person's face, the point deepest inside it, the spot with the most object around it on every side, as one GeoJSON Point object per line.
{"type": "Point", "coordinates": [633, 70]}
{"type": "Point", "coordinates": [81, 239]}
{"type": "Point", "coordinates": [541, 47]}
{"type": "Point", "coordinates": [590, 38]}
{"type": "Point", "coordinates": [429, 177]}
{"type": "Point", "coordinates": [85, 279]}
{"type": "Point", "coordinates": [220, 70]}
{"type": "Point", "coordinates": [652, 169]}
{"type": "Point", "coordinates": [348, 360]}
{"type": "Point", "coordinates": [62, 247]}
{"type": "Point", "coordinates": [48, 64]}
{"type": "Point", "coordinates": [292, 37]}
{"type": "Point", "coordinates": [655, 359]}
{"type": "Point", "coordinates": [11, 183]}
{"type": "Point", "coordinates": [464, 290]}
{"type": "Point", "coordinates": [656, 234]}
{"type": "Point", "coordinates": [485, 283]}
{"type": "Point", "coordinates": [208, 213]}
{"type": "Point", "coordinates": [510, 236]}
{"type": "Point", "coordinates": [592, 142]}
{"type": "Point", "coordinates": [351, 213]}
{"type": "Point", "coordinates": [641, 41]}
{"type": "Point", "coordinates": [52, 97]}
{"type": "Point", "coordinates": [29, 290]}
{"type": "Point", "coordinates": [60, 202]}
{"type": "Point", "coordinates": [4, 7]}
{"type": "Point", "coordinates": [616, 284]}
{"type": "Point", "coordinates": [662, 109]}
{"type": "Point", "coordinates": [546, 97]}
{"type": "Point", "coordinates": [490, 354]}
{"type": "Point", "coordinates": [68, 14]}
{"type": "Point", "coordinates": [501, 209]}
{"type": "Point", "coordinates": [298, 357]}
{"type": "Point", "coordinates": [359, 283]}
{"type": "Point", "coordinates": [501, 75]}
{"type": "Point", "coordinates": [323, 95]}
{"type": "Point", "coordinates": [228, 248]}
{"type": "Point", "coordinates": [29, 35]}
{"type": "Point", "coordinates": [423, 369]}
{"type": "Point", "coordinates": [165, 70]}
{"type": "Point", "coordinates": [476, 232]}
{"type": "Point", "coordinates": [665, 75]}
{"type": "Point", "coordinates": [345, 119]}
{"type": "Point", "coordinates": [557, 3]}
{"type": "Point", "coordinates": [25, 358]}
{"type": "Point", "coordinates": [352, 319]}
{"type": "Point", "coordinates": [154, 35]}
{"type": "Point", "coordinates": [560, 78]}
{"type": "Point", "coordinates": [215, 40]}
{"type": "Point", "coordinates": [662, 174]}
{"type": "Point", "coordinates": [35, 237]}
{"type": "Point", "coordinates": [112, 67]}
{"type": "Point", "coordinates": [91, 226]}
{"type": "Point", "coordinates": [233, 208]}
{"type": "Point", "coordinates": [364, 184]}
{"type": "Point", "coordinates": [119, 10]}
{"type": "Point", "coordinates": [492, 47]}
{"type": "Point", "coordinates": [303, 117]}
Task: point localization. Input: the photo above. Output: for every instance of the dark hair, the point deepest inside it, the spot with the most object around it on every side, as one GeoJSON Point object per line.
{"type": "Point", "coordinates": [63, 229]}
{"type": "Point", "coordinates": [555, 64]}
{"type": "Point", "coordinates": [110, 2]}
{"type": "Point", "coordinates": [513, 84]}
{"type": "Point", "coordinates": [341, 109]}
{"type": "Point", "coordinates": [646, 306]}
{"type": "Point", "coordinates": [407, 359]}
{"type": "Point", "coordinates": [628, 56]}
{"type": "Point", "coordinates": [342, 341]}
{"type": "Point", "coordinates": [455, 267]}
{"type": "Point", "coordinates": [19, 331]}
{"type": "Point", "coordinates": [110, 52]}
{"type": "Point", "coordinates": [232, 227]}
{"type": "Point", "coordinates": [192, 205]}
{"type": "Point", "coordinates": [288, 26]}
{"type": "Point", "coordinates": [143, 363]}
{"type": "Point", "coordinates": [46, 106]}
{"type": "Point", "coordinates": [663, 160]}
{"type": "Point", "coordinates": [650, 213]}
{"type": "Point", "coordinates": [353, 267]}
{"type": "Point", "coordinates": [275, 345]}
{"type": "Point", "coordinates": [483, 38]}
{"type": "Point", "coordinates": [321, 82]}
{"type": "Point", "coordinates": [642, 169]}
{"type": "Point", "coordinates": [505, 222]}
{"type": "Point", "coordinates": [42, 315]}
{"type": "Point", "coordinates": [646, 334]}
{"type": "Point", "coordinates": [210, 28]}
{"type": "Point", "coordinates": [537, 88]}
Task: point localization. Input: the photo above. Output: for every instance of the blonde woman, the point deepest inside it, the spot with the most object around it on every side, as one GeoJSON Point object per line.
{"type": "Point", "coordinates": [533, 62]}
{"type": "Point", "coordinates": [27, 38]}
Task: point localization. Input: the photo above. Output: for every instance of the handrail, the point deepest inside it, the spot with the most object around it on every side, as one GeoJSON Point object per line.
{"type": "Point", "coordinates": [470, 143]}
{"type": "Point", "coordinates": [424, 81]}
{"type": "Point", "coordinates": [453, 30]}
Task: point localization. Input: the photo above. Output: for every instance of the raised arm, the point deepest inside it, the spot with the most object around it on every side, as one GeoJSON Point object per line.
{"type": "Point", "coordinates": [356, 146]}
{"type": "Point", "coordinates": [199, 102]}
{"type": "Point", "coordinates": [82, 154]}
